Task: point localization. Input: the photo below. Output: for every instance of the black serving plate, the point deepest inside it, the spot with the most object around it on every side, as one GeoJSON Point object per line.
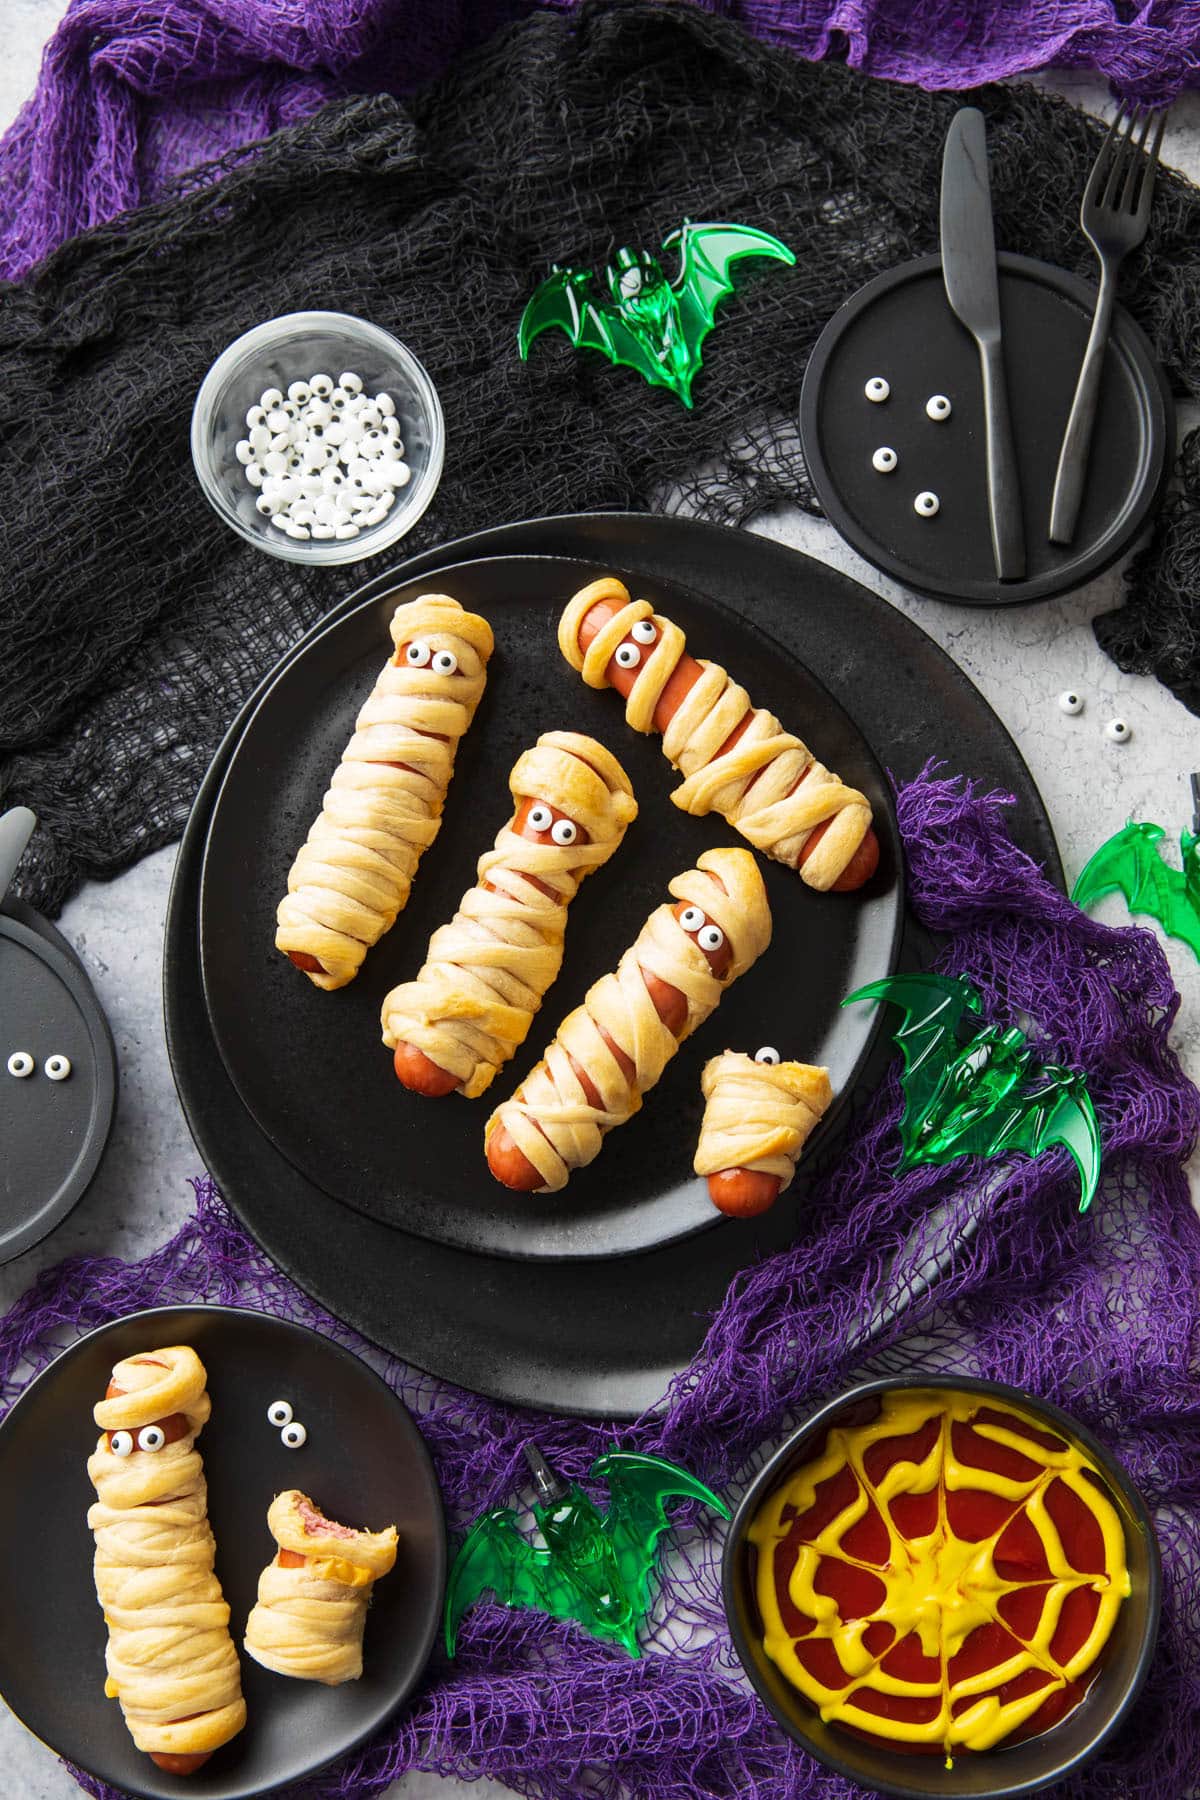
{"type": "Point", "coordinates": [309, 1065]}
{"type": "Point", "coordinates": [365, 1463]}
{"type": "Point", "coordinates": [900, 326]}
{"type": "Point", "coordinates": [589, 1337]}
{"type": "Point", "coordinates": [53, 1133]}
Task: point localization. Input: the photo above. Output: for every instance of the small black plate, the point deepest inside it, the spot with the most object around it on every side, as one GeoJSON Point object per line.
{"type": "Point", "coordinates": [900, 326]}
{"type": "Point", "coordinates": [365, 1463]}
{"type": "Point", "coordinates": [53, 1133]}
{"type": "Point", "coordinates": [309, 1065]}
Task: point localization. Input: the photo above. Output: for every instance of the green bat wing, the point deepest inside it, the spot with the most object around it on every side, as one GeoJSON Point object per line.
{"type": "Point", "coordinates": [564, 302]}
{"type": "Point", "coordinates": [497, 1555]}
{"type": "Point", "coordinates": [1129, 864]}
{"type": "Point", "coordinates": [1054, 1108]}
{"type": "Point", "coordinates": [933, 1007]}
{"type": "Point", "coordinates": [637, 1516]}
{"type": "Point", "coordinates": [706, 253]}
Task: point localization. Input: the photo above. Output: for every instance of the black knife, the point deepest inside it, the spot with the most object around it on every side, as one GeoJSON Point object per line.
{"type": "Point", "coordinates": [969, 271]}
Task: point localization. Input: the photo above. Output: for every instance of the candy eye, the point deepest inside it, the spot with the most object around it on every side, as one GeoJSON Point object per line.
{"type": "Point", "coordinates": [691, 918]}
{"type": "Point", "coordinates": [280, 1413]}
{"type": "Point", "coordinates": [121, 1443]}
{"type": "Point", "coordinates": [151, 1437]}
{"type": "Point", "coordinates": [768, 1054]}
{"type": "Point", "coordinates": [563, 831]}
{"type": "Point", "coordinates": [711, 938]}
{"type": "Point", "coordinates": [418, 655]}
{"type": "Point", "coordinates": [445, 662]}
{"type": "Point", "coordinates": [540, 817]}
{"type": "Point", "coordinates": [628, 656]}
{"type": "Point", "coordinates": [645, 631]}
{"type": "Point", "coordinates": [294, 1435]}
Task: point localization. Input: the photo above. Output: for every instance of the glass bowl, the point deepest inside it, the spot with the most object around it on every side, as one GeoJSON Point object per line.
{"type": "Point", "coordinates": [293, 348]}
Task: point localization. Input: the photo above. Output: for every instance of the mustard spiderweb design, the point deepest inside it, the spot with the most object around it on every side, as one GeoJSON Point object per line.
{"type": "Point", "coordinates": [938, 1588]}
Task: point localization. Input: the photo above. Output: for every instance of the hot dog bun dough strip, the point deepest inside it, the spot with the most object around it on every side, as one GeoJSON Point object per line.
{"type": "Point", "coordinates": [486, 972]}
{"type": "Point", "coordinates": [757, 1117]}
{"type": "Point", "coordinates": [171, 1661]}
{"type": "Point", "coordinates": [736, 758]}
{"type": "Point", "coordinates": [313, 1595]}
{"type": "Point", "coordinates": [618, 1038]}
{"type": "Point", "coordinates": [352, 875]}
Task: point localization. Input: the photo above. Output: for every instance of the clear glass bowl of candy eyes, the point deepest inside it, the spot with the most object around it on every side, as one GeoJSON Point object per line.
{"type": "Point", "coordinates": [318, 437]}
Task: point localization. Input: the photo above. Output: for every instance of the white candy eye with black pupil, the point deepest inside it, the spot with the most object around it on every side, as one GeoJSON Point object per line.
{"type": "Point", "coordinates": [645, 631]}
{"type": "Point", "coordinates": [563, 832]}
{"type": "Point", "coordinates": [417, 654]}
{"type": "Point", "coordinates": [628, 656]}
{"type": "Point", "coordinates": [711, 938]}
{"type": "Point", "coordinates": [768, 1054]}
{"type": "Point", "coordinates": [151, 1437]}
{"type": "Point", "coordinates": [279, 1413]}
{"type": "Point", "coordinates": [691, 918]}
{"type": "Point", "coordinates": [445, 662]}
{"type": "Point", "coordinates": [294, 1435]}
{"type": "Point", "coordinates": [121, 1443]}
{"type": "Point", "coordinates": [541, 818]}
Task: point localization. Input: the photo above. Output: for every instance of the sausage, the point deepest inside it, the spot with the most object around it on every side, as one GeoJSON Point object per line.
{"type": "Point", "coordinates": [743, 1193]}
{"type": "Point", "coordinates": [862, 864]}
{"type": "Point", "coordinates": [179, 1765]}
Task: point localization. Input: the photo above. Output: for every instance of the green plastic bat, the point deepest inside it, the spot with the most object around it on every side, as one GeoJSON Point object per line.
{"type": "Point", "coordinates": [1129, 864]}
{"type": "Point", "coordinates": [987, 1094]}
{"type": "Point", "coordinates": [595, 1567]}
{"type": "Point", "coordinates": [646, 322]}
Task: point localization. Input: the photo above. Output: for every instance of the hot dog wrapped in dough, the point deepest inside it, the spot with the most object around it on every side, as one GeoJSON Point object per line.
{"type": "Point", "coordinates": [171, 1660]}
{"type": "Point", "coordinates": [313, 1595]}
{"type": "Point", "coordinates": [486, 972]}
{"type": "Point", "coordinates": [612, 1049]}
{"type": "Point", "coordinates": [352, 874]}
{"type": "Point", "coordinates": [737, 759]}
{"type": "Point", "coordinates": [758, 1115]}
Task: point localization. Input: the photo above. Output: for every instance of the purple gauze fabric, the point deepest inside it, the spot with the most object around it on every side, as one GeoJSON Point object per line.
{"type": "Point", "coordinates": [133, 93]}
{"type": "Point", "coordinates": [1099, 1313]}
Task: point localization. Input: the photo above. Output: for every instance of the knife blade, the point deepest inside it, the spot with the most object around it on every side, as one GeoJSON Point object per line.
{"type": "Point", "coordinates": [972, 288]}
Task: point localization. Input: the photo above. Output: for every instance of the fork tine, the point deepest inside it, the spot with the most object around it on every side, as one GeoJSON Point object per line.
{"type": "Point", "coordinates": [1120, 158]}
{"type": "Point", "coordinates": [1102, 164]}
{"type": "Point", "coordinates": [1146, 194]}
{"type": "Point", "coordinates": [1137, 140]}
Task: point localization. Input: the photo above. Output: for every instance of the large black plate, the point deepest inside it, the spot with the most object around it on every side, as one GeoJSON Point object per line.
{"type": "Point", "coordinates": [583, 1337]}
{"type": "Point", "coordinates": [365, 1463]}
{"type": "Point", "coordinates": [309, 1065]}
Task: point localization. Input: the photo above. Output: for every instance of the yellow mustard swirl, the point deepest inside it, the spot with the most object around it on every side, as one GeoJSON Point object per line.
{"type": "Point", "coordinates": [939, 1587]}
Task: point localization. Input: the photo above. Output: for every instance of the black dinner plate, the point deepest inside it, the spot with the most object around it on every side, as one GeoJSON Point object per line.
{"type": "Point", "coordinates": [595, 1338]}
{"type": "Point", "coordinates": [365, 1463]}
{"type": "Point", "coordinates": [900, 327]}
{"type": "Point", "coordinates": [309, 1065]}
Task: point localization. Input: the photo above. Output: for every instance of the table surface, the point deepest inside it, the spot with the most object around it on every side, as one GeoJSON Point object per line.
{"type": "Point", "coordinates": [1020, 659]}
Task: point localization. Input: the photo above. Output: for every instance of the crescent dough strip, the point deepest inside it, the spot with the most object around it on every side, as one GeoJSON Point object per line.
{"type": "Point", "coordinates": [486, 972]}
{"type": "Point", "coordinates": [758, 1115]}
{"type": "Point", "coordinates": [353, 873]}
{"type": "Point", "coordinates": [549, 1117]}
{"type": "Point", "coordinates": [171, 1661]}
{"type": "Point", "coordinates": [308, 1619]}
{"type": "Point", "coordinates": [750, 784]}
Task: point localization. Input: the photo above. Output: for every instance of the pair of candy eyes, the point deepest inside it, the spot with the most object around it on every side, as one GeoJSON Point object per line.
{"type": "Point", "coordinates": [291, 1431]}
{"type": "Point", "coordinates": [150, 1437]}
{"type": "Point", "coordinates": [563, 831]}
{"type": "Point", "coordinates": [628, 655]}
{"type": "Point", "coordinates": [420, 655]}
{"type": "Point", "coordinates": [709, 937]}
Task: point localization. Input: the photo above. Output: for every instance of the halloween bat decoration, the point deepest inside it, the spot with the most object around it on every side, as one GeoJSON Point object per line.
{"type": "Point", "coordinates": [984, 1093]}
{"type": "Point", "coordinates": [595, 1567]}
{"type": "Point", "coordinates": [646, 322]}
{"type": "Point", "coordinates": [1129, 863]}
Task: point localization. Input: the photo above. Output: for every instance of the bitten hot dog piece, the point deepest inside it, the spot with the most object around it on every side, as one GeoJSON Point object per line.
{"type": "Point", "coordinates": [313, 1595]}
{"type": "Point", "coordinates": [353, 873]}
{"type": "Point", "coordinates": [611, 1050]}
{"type": "Point", "coordinates": [737, 759]}
{"type": "Point", "coordinates": [486, 972]}
{"type": "Point", "coordinates": [758, 1114]}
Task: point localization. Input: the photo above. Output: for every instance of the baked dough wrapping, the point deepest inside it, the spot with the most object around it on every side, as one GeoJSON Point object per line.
{"type": "Point", "coordinates": [171, 1661]}
{"type": "Point", "coordinates": [353, 873]}
{"type": "Point", "coordinates": [752, 784]}
{"type": "Point", "coordinates": [308, 1619]}
{"type": "Point", "coordinates": [486, 972]}
{"type": "Point", "coordinates": [550, 1118]}
{"type": "Point", "coordinates": [758, 1115]}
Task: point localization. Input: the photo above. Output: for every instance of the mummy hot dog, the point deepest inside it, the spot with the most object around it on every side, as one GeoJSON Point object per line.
{"type": "Point", "coordinates": [758, 1113]}
{"type": "Point", "coordinates": [171, 1660]}
{"type": "Point", "coordinates": [313, 1595]}
{"type": "Point", "coordinates": [353, 873]}
{"type": "Point", "coordinates": [736, 758]}
{"type": "Point", "coordinates": [612, 1049]}
{"type": "Point", "coordinates": [486, 972]}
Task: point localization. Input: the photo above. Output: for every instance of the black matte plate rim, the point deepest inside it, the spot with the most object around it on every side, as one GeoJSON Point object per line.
{"type": "Point", "coordinates": [35, 938]}
{"type": "Point", "coordinates": [1157, 408]}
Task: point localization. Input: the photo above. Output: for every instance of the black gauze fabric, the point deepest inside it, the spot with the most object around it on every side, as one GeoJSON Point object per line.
{"type": "Point", "coordinates": [133, 624]}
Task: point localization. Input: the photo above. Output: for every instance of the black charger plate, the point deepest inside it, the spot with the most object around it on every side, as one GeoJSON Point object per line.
{"type": "Point", "coordinates": [309, 1065]}
{"type": "Point", "coordinates": [900, 326]}
{"type": "Point", "coordinates": [364, 1463]}
{"type": "Point", "coordinates": [584, 1337]}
